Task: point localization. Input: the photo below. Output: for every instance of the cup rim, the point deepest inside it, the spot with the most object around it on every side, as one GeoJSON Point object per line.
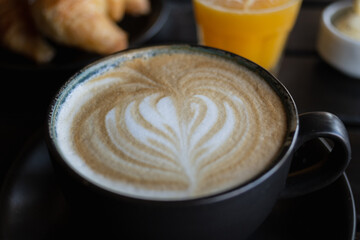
{"type": "Point", "coordinates": [283, 154]}
{"type": "Point", "coordinates": [252, 11]}
{"type": "Point", "coordinates": [327, 18]}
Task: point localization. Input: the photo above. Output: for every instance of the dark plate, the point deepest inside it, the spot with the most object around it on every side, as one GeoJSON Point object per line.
{"type": "Point", "coordinates": [32, 205]}
{"type": "Point", "coordinates": [140, 30]}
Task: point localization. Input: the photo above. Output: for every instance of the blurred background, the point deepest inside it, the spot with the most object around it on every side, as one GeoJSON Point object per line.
{"type": "Point", "coordinates": [28, 88]}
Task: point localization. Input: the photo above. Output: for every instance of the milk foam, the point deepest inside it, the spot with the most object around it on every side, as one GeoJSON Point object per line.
{"type": "Point", "coordinates": [173, 126]}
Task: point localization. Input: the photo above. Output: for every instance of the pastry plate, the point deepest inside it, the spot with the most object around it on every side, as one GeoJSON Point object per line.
{"type": "Point", "coordinates": [140, 29]}
{"type": "Point", "coordinates": [32, 205]}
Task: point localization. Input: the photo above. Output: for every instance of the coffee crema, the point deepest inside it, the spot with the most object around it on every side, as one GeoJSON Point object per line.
{"type": "Point", "coordinates": [171, 125]}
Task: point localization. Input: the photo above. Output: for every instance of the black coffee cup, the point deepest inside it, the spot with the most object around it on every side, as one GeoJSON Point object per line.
{"type": "Point", "coordinates": [230, 214]}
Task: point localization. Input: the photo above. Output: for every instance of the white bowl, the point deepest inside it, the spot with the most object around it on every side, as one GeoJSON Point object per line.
{"type": "Point", "coordinates": [339, 50]}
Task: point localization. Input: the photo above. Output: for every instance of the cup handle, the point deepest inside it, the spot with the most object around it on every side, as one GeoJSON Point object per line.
{"type": "Point", "coordinates": [327, 169]}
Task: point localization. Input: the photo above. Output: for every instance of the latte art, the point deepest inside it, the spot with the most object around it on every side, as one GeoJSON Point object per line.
{"type": "Point", "coordinates": [171, 126]}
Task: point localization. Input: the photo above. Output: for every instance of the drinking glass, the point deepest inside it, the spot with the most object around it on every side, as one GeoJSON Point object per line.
{"type": "Point", "coordinates": [254, 29]}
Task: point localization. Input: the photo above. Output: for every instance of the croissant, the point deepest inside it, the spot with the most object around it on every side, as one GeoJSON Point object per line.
{"type": "Point", "coordinates": [116, 9]}
{"type": "Point", "coordinates": [137, 7]}
{"type": "Point", "coordinates": [18, 32]}
{"type": "Point", "coordinates": [87, 24]}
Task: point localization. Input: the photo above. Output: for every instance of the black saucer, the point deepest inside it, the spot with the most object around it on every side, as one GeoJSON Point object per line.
{"type": "Point", "coordinates": [32, 205]}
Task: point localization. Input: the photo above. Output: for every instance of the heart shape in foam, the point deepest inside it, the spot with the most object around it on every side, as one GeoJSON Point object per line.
{"type": "Point", "coordinates": [163, 135]}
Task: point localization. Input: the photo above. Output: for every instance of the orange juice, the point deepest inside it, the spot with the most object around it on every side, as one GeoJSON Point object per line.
{"type": "Point", "coordinates": [254, 29]}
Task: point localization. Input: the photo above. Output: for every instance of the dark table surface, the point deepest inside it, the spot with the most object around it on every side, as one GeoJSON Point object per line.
{"type": "Point", "coordinates": [315, 86]}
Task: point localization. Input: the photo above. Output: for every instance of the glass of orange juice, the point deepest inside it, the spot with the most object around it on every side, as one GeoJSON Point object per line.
{"type": "Point", "coordinates": [255, 29]}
